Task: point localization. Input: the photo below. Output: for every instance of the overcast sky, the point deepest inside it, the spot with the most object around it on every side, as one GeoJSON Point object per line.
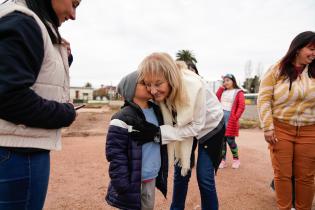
{"type": "Point", "coordinates": [111, 37]}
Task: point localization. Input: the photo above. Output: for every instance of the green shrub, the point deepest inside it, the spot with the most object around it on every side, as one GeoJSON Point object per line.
{"type": "Point", "coordinates": [247, 123]}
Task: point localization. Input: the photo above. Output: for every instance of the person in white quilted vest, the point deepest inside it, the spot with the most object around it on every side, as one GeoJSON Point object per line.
{"type": "Point", "coordinates": [34, 96]}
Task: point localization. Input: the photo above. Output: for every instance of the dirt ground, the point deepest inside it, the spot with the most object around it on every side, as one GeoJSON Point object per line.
{"type": "Point", "coordinates": [79, 177]}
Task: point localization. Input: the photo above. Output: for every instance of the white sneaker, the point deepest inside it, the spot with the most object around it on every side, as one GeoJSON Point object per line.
{"type": "Point", "coordinates": [236, 164]}
{"type": "Point", "coordinates": [223, 164]}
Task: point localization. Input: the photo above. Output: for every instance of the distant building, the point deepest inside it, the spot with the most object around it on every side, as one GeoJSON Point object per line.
{"type": "Point", "coordinates": [111, 92]}
{"type": "Point", "coordinates": [81, 94]}
{"type": "Point", "coordinates": [108, 92]}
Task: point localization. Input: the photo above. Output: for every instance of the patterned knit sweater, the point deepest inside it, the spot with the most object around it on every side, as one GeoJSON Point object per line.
{"type": "Point", "coordinates": [275, 101]}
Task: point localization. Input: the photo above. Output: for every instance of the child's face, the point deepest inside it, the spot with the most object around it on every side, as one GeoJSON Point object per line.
{"type": "Point", "coordinates": [228, 83]}
{"type": "Point", "coordinates": [142, 92]}
{"type": "Point", "coordinates": [158, 86]}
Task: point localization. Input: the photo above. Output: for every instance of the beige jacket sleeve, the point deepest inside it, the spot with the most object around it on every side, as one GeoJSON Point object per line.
{"type": "Point", "coordinates": [265, 98]}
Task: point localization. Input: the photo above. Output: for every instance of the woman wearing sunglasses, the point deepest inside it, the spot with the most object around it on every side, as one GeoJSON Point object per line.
{"type": "Point", "coordinates": [189, 110]}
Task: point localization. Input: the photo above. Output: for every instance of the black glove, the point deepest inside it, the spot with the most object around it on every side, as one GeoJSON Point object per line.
{"type": "Point", "coordinates": [144, 132]}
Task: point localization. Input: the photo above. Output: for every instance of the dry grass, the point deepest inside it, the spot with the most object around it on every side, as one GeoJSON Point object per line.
{"type": "Point", "coordinates": [248, 123]}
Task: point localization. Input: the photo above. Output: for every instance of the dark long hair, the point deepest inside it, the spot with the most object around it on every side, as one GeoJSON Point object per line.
{"type": "Point", "coordinates": [286, 65]}
{"type": "Point", "coordinates": [43, 9]}
{"type": "Point", "coordinates": [192, 67]}
{"type": "Point", "coordinates": [232, 77]}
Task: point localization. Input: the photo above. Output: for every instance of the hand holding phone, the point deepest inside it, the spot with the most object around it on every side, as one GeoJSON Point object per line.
{"type": "Point", "coordinates": [79, 107]}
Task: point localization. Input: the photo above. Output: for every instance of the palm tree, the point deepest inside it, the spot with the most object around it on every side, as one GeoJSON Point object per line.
{"type": "Point", "coordinates": [88, 85]}
{"type": "Point", "coordinates": [187, 56]}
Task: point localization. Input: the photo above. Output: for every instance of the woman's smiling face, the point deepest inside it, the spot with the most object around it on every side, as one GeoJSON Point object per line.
{"type": "Point", "coordinates": [157, 86]}
{"type": "Point", "coordinates": [306, 55]}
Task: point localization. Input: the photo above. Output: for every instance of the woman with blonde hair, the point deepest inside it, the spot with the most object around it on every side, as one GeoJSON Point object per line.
{"type": "Point", "coordinates": [189, 110]}
{"type": "Point", "coordinates": [286, 105]}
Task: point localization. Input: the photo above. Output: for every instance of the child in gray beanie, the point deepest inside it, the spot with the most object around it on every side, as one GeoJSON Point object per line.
{"type": "Point", "coordinates": [127, 85]}
{"type": "Point", "coordinates": [135, 170]}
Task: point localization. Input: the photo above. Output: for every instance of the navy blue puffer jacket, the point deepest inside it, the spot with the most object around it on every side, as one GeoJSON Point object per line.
{"type": "Point", "coordinates": [124, 156]}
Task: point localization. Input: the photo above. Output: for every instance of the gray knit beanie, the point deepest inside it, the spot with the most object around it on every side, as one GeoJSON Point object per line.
{"type": "Point", "coordinates": [127, 86]}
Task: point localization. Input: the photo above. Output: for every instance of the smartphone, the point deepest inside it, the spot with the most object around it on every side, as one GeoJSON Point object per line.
{"type": "Point", "coordinates": [79, 107]}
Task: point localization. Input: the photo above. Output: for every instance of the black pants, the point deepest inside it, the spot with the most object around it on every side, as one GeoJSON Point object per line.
{"type": "Point", "coordinates": [214, 147]}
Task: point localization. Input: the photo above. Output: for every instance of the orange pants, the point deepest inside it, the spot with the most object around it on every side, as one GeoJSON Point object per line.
{"type": "Point", "coordinates": [294, 154]}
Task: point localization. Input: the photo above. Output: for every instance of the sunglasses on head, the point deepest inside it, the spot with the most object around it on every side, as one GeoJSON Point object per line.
{"type": "Point", "coordinates": [231, 76]}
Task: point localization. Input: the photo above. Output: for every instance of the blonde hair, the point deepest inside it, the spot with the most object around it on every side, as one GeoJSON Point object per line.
{"type": "Point", "coordinates": [160, 63]}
